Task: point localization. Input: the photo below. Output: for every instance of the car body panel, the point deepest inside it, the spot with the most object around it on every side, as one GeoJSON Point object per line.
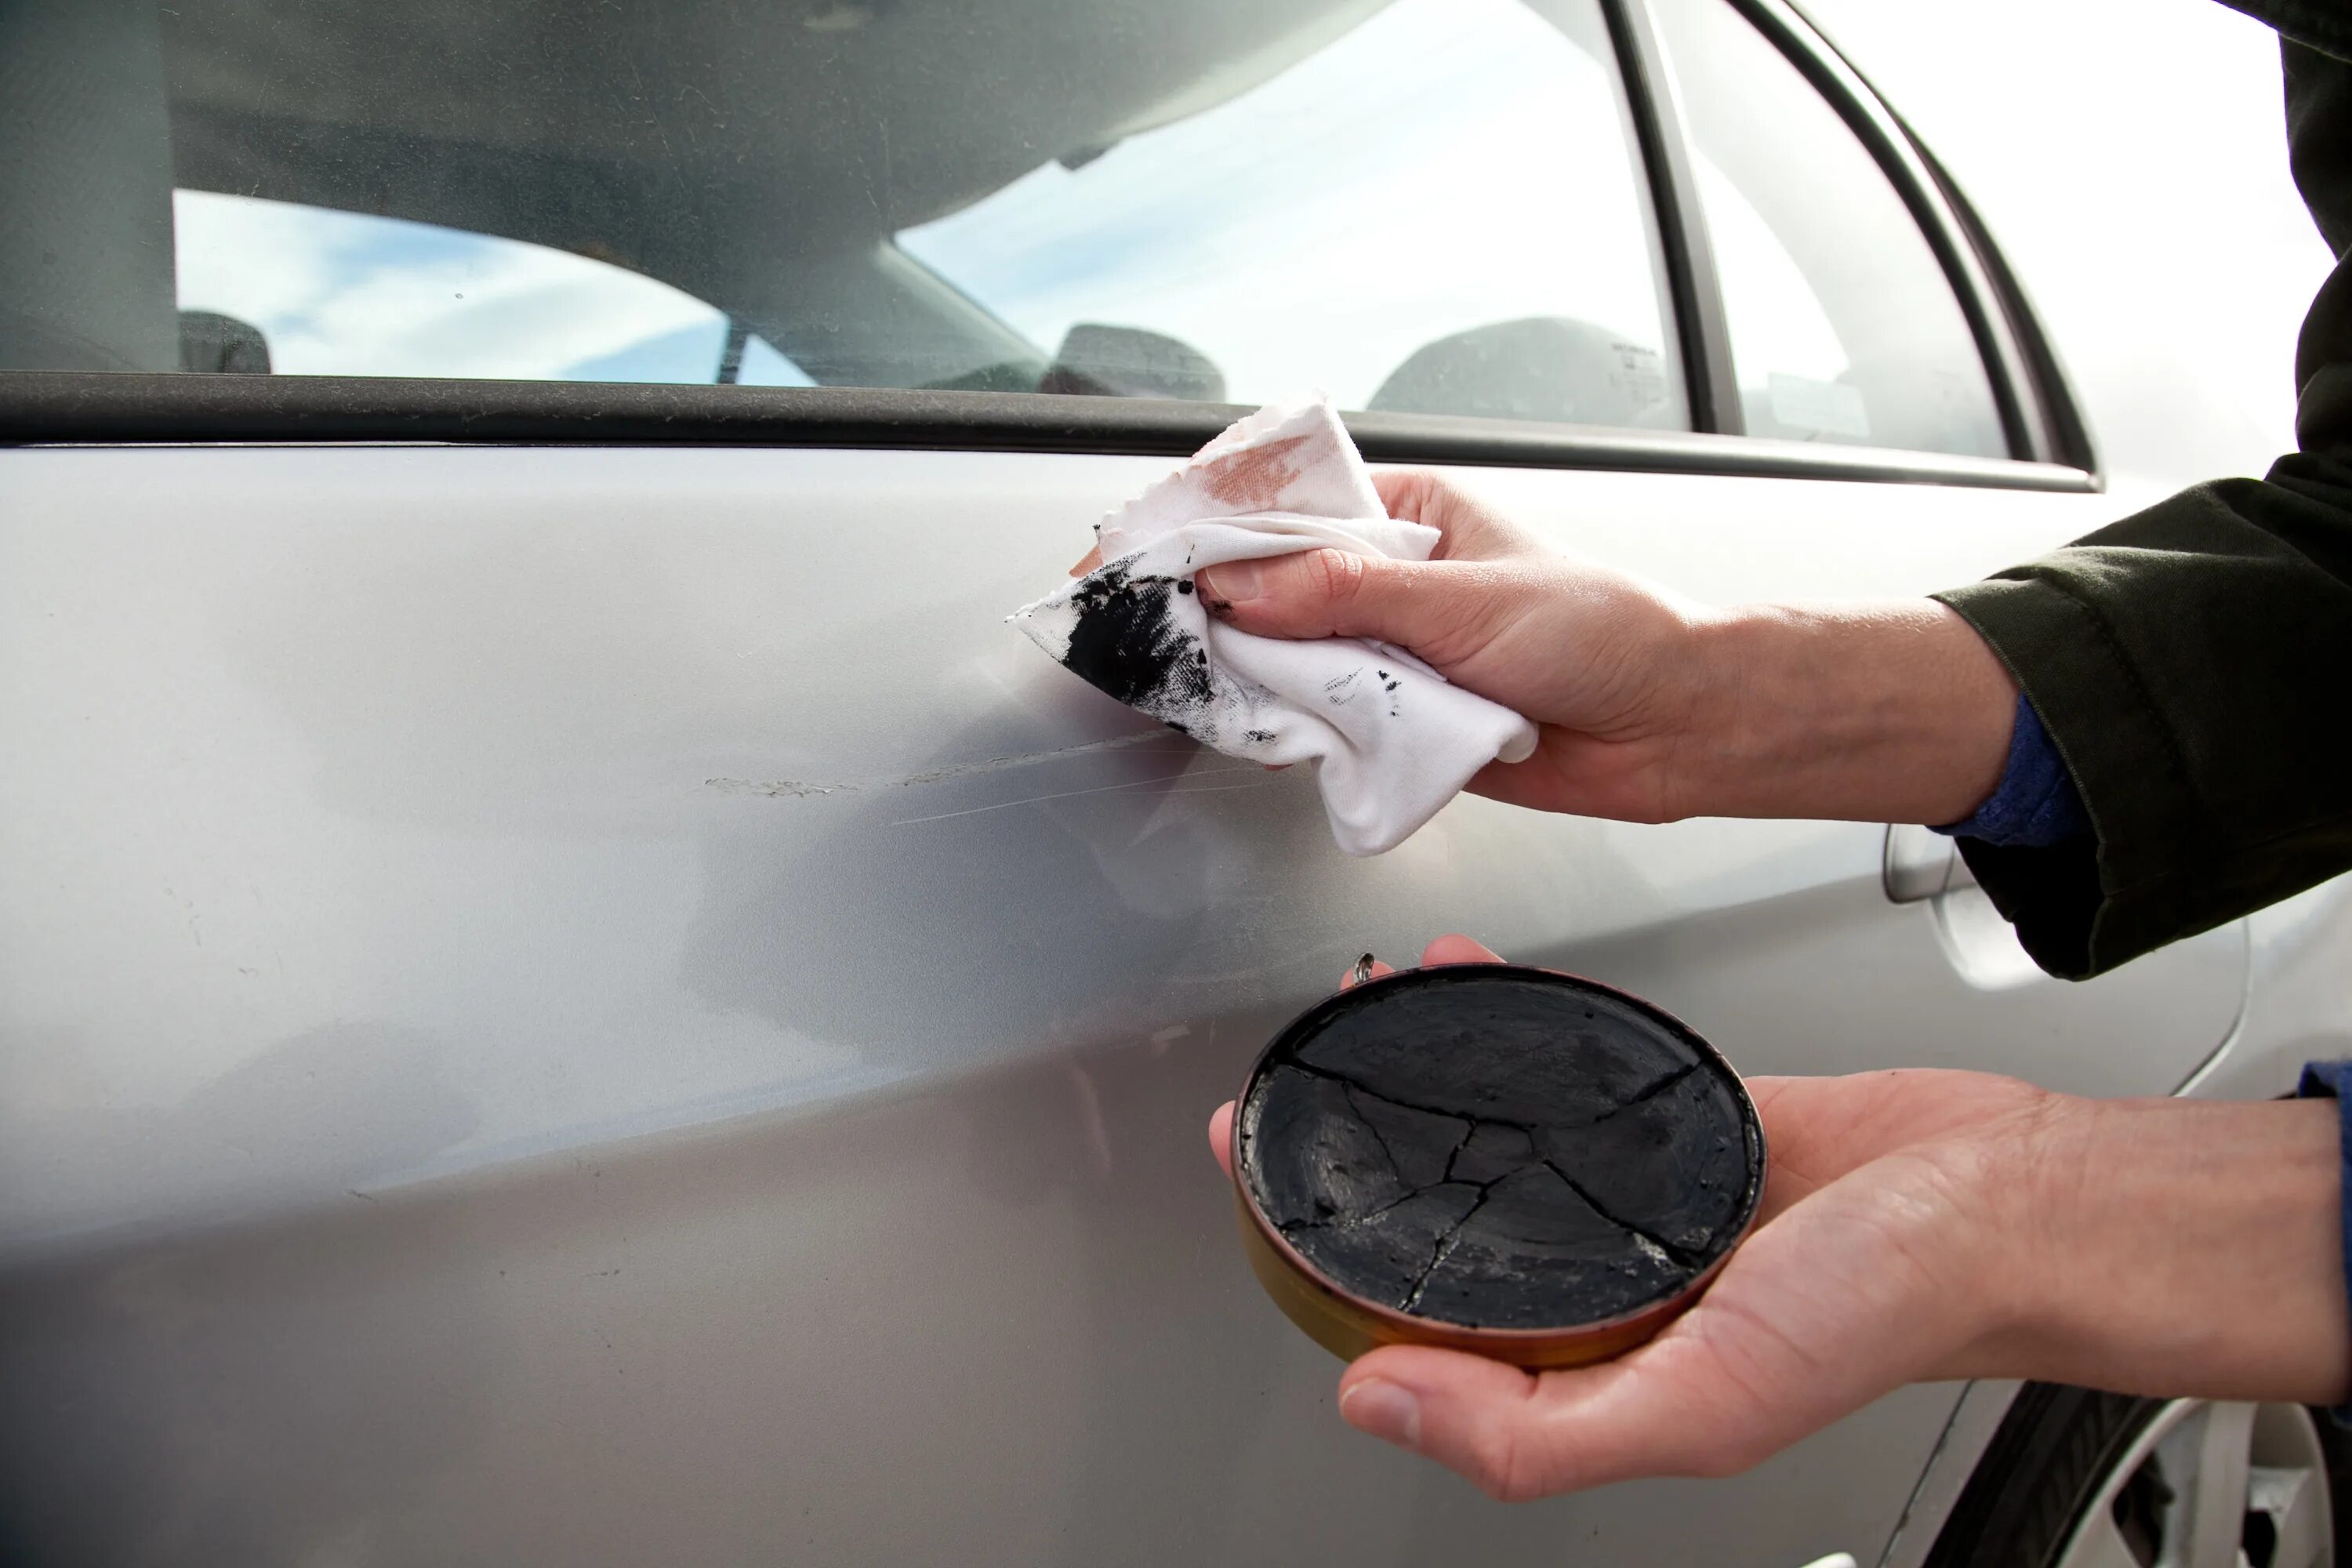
{"type": "Point", "coordinates": [597, 1004]}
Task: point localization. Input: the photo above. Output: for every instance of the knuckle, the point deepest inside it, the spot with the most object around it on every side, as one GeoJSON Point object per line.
{"type": "Point", "coordinates": [1437, 491]}
{"type": "Point", "coordinates": [1506, 1467]}
{"type": "Point", "coordinates": [1411, 493]}
{"type": "Point", "coordinates": [1334, 576]}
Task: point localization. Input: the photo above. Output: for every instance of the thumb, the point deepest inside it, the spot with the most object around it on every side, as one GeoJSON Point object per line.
{"type": "Point", "coordinates": [1661, 1411]}
{"type": "Point", "coordinates": [1331, 592]}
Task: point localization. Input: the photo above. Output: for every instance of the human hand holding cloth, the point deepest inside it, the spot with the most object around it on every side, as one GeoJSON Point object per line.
{"type": "Point", "coordinates": [1393, 739]}
{"type": "Point", "coordinates": [1924, 1226]}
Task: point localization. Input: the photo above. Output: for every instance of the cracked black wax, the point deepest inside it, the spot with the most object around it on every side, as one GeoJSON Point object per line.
{"type": "Point", "coordinates": [1499, 1148]}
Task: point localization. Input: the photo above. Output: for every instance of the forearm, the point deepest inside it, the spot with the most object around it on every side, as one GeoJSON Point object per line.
{"type": "Point", "coordinates": [2177, 1247]}
{"type": "Point", "coordinates": [1893, 711]}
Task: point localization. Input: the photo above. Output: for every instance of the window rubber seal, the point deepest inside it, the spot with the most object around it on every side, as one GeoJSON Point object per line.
{"type": "Point", "coordinates": [1710, 382]}
{"type": "Point", "coordinates": [124, 408]}
{"type": "Point", "coordinates": [2024, 422]}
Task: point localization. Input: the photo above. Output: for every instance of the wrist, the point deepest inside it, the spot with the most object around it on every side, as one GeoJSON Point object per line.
{"type": "Point", "coordinates": [2179, 1247]}
{"type": "Point", "coordinates": [1891, 712]}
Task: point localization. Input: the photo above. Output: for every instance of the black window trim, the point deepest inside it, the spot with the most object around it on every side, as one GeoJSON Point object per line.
{"type": "Point", "coordinates": [1711, 386]}
{"type": "Point", "coordinates": [2038, 417]}
{"type": "Point", "coordinates": [2020, 396]}
{"type": "Point", "coordinates": [2066, 434]}
{"type": "Point", "coordinates": [118, 408]}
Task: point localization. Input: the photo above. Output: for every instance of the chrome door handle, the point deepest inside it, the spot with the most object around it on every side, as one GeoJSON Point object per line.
{"type": "Point", "coordinates": [1921, 863]}
{"type": "Point", "coordinates": [1924, 866]}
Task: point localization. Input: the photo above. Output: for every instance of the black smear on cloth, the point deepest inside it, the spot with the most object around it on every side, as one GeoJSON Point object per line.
{"type": "Point", "coordinates": [1127, 643]}
{"type": "Point", "coordinates": [1496, 1147]}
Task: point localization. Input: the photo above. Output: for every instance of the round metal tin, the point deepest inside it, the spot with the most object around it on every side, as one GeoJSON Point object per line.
{"type": "Point", "coordinates": [1349, 1324]}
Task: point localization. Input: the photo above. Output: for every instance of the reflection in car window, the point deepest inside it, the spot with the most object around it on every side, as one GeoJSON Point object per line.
{"type": "Point", "coordinates": [1437, 212]}
{"type": "Point", "coordinates": [1843, 325]}
{"type": "Point", "coordinates": [340, 293]}
{"type": "Point", "coordinates": [1411, 204]}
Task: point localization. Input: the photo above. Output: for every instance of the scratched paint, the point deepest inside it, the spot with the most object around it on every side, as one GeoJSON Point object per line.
{"type": "Point", "coordinates": [803, 788]}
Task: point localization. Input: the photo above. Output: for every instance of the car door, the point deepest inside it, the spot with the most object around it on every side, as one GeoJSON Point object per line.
{"type": "Point", "coordinates": [570, 992]}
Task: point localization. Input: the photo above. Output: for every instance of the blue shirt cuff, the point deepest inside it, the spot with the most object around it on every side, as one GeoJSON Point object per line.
{"type": "Point", "coordinates": [2333, 1080]}
{"type": "Point", "coordinates": [2035, 805]}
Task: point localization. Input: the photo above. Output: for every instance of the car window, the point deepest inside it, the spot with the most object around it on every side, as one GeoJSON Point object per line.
{"type": "Point", "coordinates": [322, 292]}
{"type": "Point", "coordinates": [1843, 325]}
{"type": "Point", "coordinates": [1424, 206]}
{"type": "Point", "coordinates": [1439, 211]}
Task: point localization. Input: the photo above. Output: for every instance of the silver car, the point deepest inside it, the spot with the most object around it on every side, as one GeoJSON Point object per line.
{"type": "Point", "coordinates": [569, 993]}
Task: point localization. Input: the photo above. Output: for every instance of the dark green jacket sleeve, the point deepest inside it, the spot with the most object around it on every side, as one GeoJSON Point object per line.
{"type": "Point", "coordinates": [2193, 663]}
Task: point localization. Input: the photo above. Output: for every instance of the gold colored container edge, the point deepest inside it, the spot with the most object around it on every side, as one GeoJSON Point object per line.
{"type": "Point", "coordinates": [1349, 1325]}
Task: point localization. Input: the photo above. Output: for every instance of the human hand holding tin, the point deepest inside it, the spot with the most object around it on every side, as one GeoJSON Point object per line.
{"type": "Point", "coordinates": [1920, 1225]}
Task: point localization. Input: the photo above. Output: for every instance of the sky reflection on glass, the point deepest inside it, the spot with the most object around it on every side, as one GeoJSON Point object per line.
{"type": "Point", "coordinates": [343, 293]}
{"type": "Point", "coordinates": [1448, 165]}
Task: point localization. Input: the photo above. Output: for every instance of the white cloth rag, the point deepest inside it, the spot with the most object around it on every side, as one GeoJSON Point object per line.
{"type": "Point", "coordinates": [1393, 740]}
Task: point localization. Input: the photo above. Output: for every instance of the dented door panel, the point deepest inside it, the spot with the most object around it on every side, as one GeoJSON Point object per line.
{"type": "Point", "coordinates": [598, 1005]}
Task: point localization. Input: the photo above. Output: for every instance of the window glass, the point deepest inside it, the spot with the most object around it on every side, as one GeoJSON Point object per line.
{"type": "Point", "coordinates": [340, 293]}
{"type": "Point", "coordinates": [1426, 205]}
{"type": "Point", "coordinates": [1843, 325]}
{"type": "Point", "coordinates": [1438, 212]}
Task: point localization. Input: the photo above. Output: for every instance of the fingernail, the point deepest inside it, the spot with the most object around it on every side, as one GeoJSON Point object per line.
{"type": "Point", "coordinates": [1384, 1410]}
{"type": "Point", "coordinates": [1235, 582]}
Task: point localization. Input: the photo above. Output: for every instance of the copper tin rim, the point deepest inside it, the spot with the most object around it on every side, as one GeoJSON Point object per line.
{"type": "Point", "coordinates": [1349, 1324]}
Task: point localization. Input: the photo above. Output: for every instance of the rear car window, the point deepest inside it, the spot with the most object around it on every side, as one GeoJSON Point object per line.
{"type": "Point", "coordinates": [1843, 325]}
{"type": "Point", "coordinates": [1419, 205]}
{"type": "Point", "coordinates": [1439, 211]}
{"type": "Point", "coordinates": [301, 290]}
